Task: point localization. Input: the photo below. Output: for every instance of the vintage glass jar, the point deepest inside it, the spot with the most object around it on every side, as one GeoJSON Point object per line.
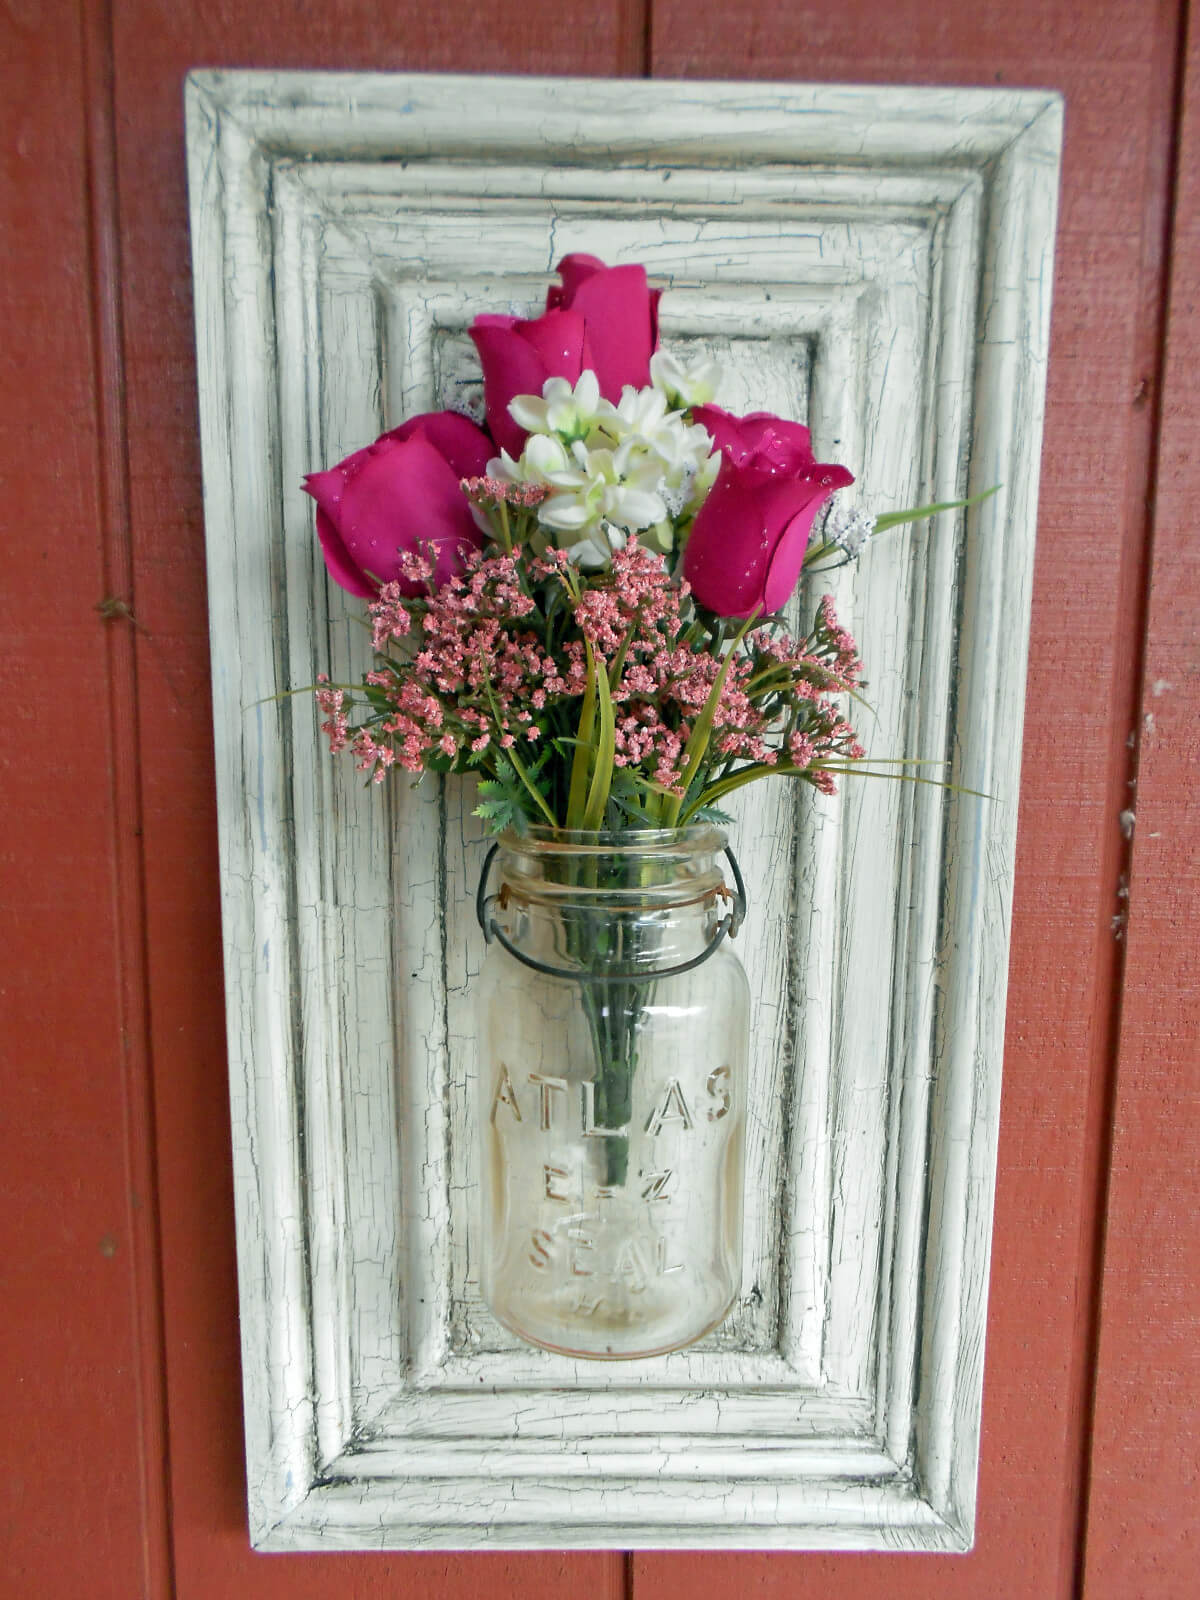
{"type": "Point", "coordinates": [613, 1043]}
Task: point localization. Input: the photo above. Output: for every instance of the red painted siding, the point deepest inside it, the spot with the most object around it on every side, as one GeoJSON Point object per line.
{"type": "Point", "coordinates": [1142, 1523]}
{"type": "Point", "coordinates": [115, 1138]}
{"type": "Point", "coordinates": [80, 1346]}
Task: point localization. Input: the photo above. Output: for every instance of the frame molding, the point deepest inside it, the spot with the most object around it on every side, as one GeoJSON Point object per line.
{"type": "Point", "coordinates": [879, 260]}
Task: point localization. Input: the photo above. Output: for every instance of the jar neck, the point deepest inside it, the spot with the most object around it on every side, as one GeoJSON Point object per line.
{"type": "Point", "coordinates": [630, 901]}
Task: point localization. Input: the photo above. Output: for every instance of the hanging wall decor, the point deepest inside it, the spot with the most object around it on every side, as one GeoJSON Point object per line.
{"type": "Point", "coordinates": [576, 1206]}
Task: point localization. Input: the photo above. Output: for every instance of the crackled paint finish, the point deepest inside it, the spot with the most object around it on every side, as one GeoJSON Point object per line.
{"type": "Point", "coordinates": [901, 309]}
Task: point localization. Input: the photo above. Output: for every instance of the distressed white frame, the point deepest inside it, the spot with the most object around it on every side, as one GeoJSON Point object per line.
{"type": "Point", "coordinates": [877, 260]}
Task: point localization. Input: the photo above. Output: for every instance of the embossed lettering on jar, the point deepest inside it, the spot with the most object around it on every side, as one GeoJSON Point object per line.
{"type": "Point", "coordinates": [614, 1018]}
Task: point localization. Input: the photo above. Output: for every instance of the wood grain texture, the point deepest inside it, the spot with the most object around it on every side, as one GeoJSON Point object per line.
{"type": "Point", "coordinates": [1145, 1460]}
{"type": "Point", "coordinates": [155, 44]}
{"type": "Point", "coordinates": [1085, 620]}
{"type": "Point", "coordinates": [81, 1508]}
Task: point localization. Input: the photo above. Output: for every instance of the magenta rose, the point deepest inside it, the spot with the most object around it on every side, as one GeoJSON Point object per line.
{"type": "Point", "coordinates": [401, 494]}
{"type": "Point", "coordinates": [603, 318]}
{"type": "Point", "coordinates": [747, 544]}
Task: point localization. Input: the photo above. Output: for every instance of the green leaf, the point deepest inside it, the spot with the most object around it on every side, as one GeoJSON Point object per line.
{"type": "Point", "coordinates": [624, 802]}
{"type": "Point", "coordinates": [602, 770]}
{"type": "Point", "coordinates": [578, 790]}
{"type": "Point", "coordinates": [738, 780]}
{"type": "Point", "coordinates": [500, 814]}
{"type": "Point", "coordinates": [618, 664]}
{"type": "Point", "coordinates": [514, 761]}
{"type": "Point", "coordinates": [535, 793]}
{"type": "Point", "coordinates": [892, 519]}
{"type": "Point", "coordinates": [713, 814]}
{"type": "Point", "coordinates": [504, 799]}
{"type": "Point", "coordinates": [898, 777]}
{"type": "Point", "coordinates": [697, 745]}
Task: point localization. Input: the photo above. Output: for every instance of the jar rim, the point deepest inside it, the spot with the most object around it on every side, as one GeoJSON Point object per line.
{"type": "Point", "coordinates": [693, 838]}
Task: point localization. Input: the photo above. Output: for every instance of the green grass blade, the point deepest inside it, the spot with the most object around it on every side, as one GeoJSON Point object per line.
{"type": "Point", "coordinates": [515, 762]}
{"type": "Point", "coordinates": [602, 771]}
{"type": "Point", "coordinates": [901, 777]}
{"type": "Point", "coordinates": [736, 780]}
{"type": "Point", "coordinates": [695, 749]}
{"type": "Point", "coordinates": [581, 762]}
{"type": "Point", "coordinates": [892, 519]}
{"type": "Point", "coordinates": [538, 797]}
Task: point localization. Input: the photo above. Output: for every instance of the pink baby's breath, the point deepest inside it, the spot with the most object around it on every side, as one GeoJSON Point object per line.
{"type": "Point", "coordinates": [390, 617]}
{"type": "Point", "coordinates": [336, 726]}
{"type": "Point", "coordinates": [838, 643]}
{"type": "Point", "coordinates": [499, 491]}
{"type": "Point", "coordinates": [480, 671]}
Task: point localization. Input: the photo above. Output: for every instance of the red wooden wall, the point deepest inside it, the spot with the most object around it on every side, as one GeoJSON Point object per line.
{"type": "Point", "coordinates": [118, 1343]}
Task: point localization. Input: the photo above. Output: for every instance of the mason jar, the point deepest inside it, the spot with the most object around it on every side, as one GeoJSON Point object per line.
{"type": "Point", "coordinates": [613, 1043]}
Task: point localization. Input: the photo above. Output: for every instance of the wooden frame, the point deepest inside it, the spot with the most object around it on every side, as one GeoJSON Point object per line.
{"type": "Point", "coordinates": [879, 261]}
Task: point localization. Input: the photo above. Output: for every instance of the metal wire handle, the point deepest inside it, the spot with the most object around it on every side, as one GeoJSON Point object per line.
{"type": "Point", "coordinates": [728, 926]}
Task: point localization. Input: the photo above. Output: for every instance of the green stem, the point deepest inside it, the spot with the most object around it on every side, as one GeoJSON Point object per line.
{"type": "Point", "coordinates": [697, 744]}
{"type": "Point", "coordinates": [602, 770]}
{"type": "Point", "coordinates": [539, 798]}
{"type": "Point", "coordinates": [584, 747]}
{"type": "Point", "coordinates": [518, 766]}
{"type": "Point", "coordinates": [505, 533]}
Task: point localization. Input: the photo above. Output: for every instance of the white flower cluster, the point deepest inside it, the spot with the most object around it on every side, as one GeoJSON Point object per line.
{"type": "Point", "coordinates": [849, 527]}
{"type": "Point", "coordinates": [612, 470]}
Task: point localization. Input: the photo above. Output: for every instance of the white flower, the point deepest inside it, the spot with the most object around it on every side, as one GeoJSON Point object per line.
{"type": "Point", "coordinates": [656, 445]}
{"type": "Point", "coordinates": [598, 485]}
{"type": "Point", "coordinates": [572, 413]}
{"type": "Point", "coordinates": [639, 411]}
{"type": "Point", "coordinates": [543, 455]}
{"type": "Point", "coordinates": [677, 497]}
{"type": "Point", "coordinates": [593, 552]}
{"type": "Point", "coordinates": [684, 386]}
{"type": "Point", "coordinates": [503, 466]}
{"type": "Point", "coordinates": [612, 470]}
{"type": "Point", "coordinates": [849, 528]}
{"type": "Point", "coordinates": [690, 470]}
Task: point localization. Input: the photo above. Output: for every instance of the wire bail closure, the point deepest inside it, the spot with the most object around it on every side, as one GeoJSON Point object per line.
{"type": "Point", "coordinates": [727, 927]}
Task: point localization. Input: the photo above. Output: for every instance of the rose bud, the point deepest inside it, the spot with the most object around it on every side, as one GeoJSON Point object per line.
{"type": "Point", "coordinates": [602, 318]}
{"type": "Point", "coordinates": [747, 544]}
{"type": "Point", "coordinates": [401, 494]}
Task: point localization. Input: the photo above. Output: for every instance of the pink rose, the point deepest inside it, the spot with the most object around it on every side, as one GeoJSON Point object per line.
{"type": "Point", "coordinates": [603, 318]}
{"type": "Point", "coordinates": [747, 544]}
{"type": "Point", "coordinates": [400, 494]}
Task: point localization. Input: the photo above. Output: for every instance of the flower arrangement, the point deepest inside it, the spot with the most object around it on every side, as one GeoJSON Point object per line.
{"type": "Point", "coordinates": [581, 603]}
{"type": "Point", "coordinates": [579, 598]}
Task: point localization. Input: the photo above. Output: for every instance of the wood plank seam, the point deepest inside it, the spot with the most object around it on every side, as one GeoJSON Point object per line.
{"type": "Point", "coordinates": [118, 616]}
{"type": "Point", "coordinates": [636, 28]}
{"type": "Point", "coordinates": [1124, 883]}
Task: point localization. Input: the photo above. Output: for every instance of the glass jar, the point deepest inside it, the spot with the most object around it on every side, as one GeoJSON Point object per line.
{"type": "Point", "coordinates": [614, 1020]}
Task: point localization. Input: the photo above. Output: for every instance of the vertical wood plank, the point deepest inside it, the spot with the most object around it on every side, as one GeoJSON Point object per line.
{"type": "Point", "coordinates": [1142, 1528]}
{"type": "Point", "coordinates": [1116, 71]}
{"type": "Point", "coordinates": [83, 1503]}
{"type": "Point", "coordinates": [156, 42]}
